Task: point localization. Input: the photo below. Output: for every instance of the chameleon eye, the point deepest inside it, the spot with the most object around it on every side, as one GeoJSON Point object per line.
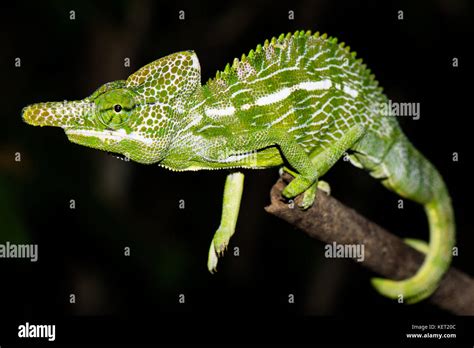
{"type": "Point", "coordinates": [117, 107]}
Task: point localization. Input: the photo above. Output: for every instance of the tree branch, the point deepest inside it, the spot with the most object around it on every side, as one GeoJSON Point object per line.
{"type": "Point", "coordinates": [385, 254]}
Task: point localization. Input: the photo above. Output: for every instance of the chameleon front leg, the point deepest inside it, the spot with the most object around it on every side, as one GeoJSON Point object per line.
{"type": "Point", "coordinates": [233, 188]}
{"type": "Point", "coordinates": [299, 160]}
{"type": "Point", "coordinates": [323, 159]}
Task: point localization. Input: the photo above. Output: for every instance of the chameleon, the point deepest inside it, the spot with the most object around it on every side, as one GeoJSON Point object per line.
{"type": "Point", "coordinates": [299, 102]}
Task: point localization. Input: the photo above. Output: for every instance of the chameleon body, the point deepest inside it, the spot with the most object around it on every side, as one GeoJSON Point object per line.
{"type": "Point", "coordinates": [300, 101]}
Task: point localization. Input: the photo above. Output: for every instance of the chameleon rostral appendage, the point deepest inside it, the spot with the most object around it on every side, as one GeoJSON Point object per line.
{"type": "Point", "coordinates": [299, 101]}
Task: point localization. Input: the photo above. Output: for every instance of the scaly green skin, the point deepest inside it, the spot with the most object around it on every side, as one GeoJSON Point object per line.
{"type": "Point", "coordinates": [301, 99]}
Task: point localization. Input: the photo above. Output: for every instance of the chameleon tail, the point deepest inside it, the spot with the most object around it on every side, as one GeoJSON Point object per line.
{"type": "Point", "coordinates": [437, 260]}
{"type": "Point", "coordinates": [418, 244]}
{"type": "Point", "coordinates": [421, 182]}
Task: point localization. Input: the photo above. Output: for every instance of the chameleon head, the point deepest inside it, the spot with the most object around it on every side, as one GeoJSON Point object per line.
{"type": "Point", "coordinates": [136, 117]}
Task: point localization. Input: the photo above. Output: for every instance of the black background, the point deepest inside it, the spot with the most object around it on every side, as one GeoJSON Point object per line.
{"type": "Point", "coordinates": [120, 204]}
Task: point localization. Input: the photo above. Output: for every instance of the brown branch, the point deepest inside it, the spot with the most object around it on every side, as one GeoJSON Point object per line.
{"type": "Point", "coordinates": [384, 253]}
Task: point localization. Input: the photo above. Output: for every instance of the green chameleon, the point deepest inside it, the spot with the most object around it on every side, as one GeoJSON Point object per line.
{"type": "Point", "coordinates": [300, 101]}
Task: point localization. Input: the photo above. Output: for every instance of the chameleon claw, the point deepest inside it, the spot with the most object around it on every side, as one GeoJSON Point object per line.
{"type": "Point", "coordinates": [221, 252]}
{"type": "Point", "coordinates": [221, 249]}
{"type": "Point", "coordinates": [212, 259]}
{"type": "Point", "coordinates": [324, 186]}
{"type": "Point", "coordinates": [218, 247]}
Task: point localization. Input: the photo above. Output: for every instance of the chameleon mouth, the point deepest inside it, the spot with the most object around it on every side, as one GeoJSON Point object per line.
{"type": "Point", "coordinates": [107, 135]}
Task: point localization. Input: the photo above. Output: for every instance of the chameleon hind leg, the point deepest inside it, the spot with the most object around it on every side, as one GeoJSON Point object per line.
{"type": "Point", "coordinates": [324, 158]}
{"type": "Point", "coordinates": [233, 189]}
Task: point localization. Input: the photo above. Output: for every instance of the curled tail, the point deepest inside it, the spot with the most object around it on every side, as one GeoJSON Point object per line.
{"type": "Point", "coordinates": [407, 172]}
{"type": "Point", "coordinates": [438, 256]}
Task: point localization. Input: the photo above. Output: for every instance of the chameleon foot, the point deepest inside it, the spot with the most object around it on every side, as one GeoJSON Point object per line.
{"type": "Point", "coordinates": [309, 195]}
{"type": "Point", "coordinates": [297, 186]}
{"type": "Point", "coordinates": [218, 246]}
{"type": "Point", "coordinates": [212, 259]}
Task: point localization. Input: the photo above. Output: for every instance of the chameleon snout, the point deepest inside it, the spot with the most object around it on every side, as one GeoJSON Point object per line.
{"type": "Point", "coordinates": [56, 114]}
{"type": "Point", "coordinates": [28, 115]}
{"type": "Point", "coordinates": [42, 114]}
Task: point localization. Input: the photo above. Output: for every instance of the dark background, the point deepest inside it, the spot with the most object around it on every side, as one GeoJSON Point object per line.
{"type": "Point", "coordinates": [120, 204]}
